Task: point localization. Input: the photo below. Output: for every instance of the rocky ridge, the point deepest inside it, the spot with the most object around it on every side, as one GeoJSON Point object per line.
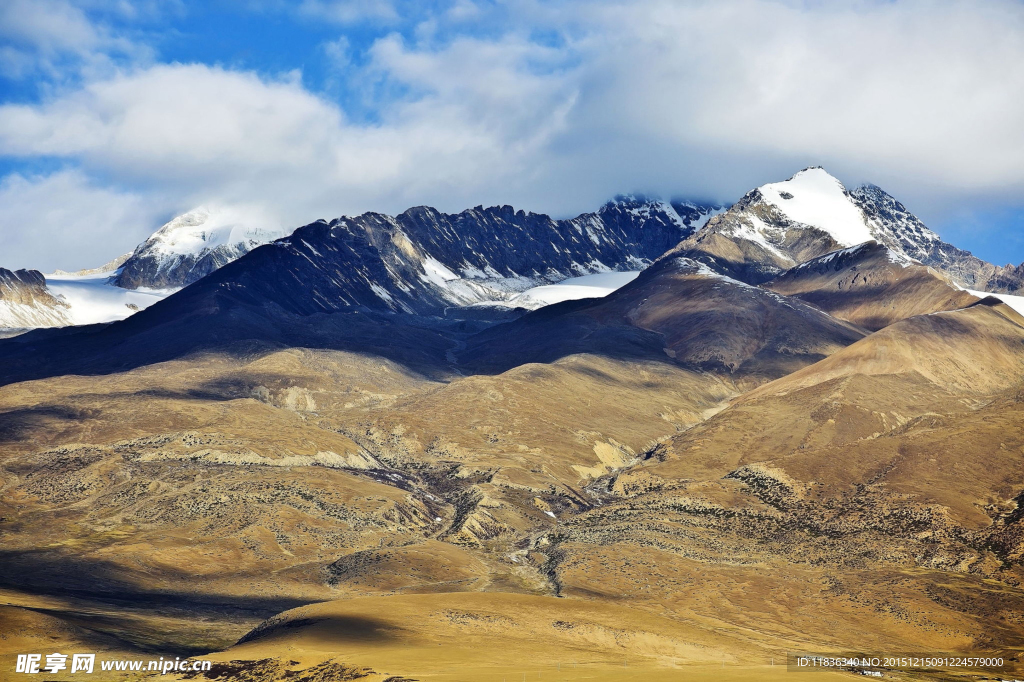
{"type": "Point", "coordinates": [26, 302]}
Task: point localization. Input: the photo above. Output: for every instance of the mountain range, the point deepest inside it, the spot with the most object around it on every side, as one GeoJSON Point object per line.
{"type": "Point", "coordinates": [405, 447]}
{"type": "Point", "coordinates": [423, 261]}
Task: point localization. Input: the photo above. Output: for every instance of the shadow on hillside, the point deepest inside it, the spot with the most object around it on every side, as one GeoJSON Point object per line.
{"type": "Point", "coordinates": [337, 629]}
{"type": "Point", "coordinates": [19, 424]}
{"type": "Point", "coordinates": [98, 596]}
{"type": "Point", "coordinates": [174, 330]}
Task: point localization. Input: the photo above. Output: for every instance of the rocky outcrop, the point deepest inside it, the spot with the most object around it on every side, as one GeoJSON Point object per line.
{"type": "Point", "coordinates": [26, 302]}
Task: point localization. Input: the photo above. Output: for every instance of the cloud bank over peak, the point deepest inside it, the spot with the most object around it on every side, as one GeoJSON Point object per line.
{"type": "Point", "coordinates": [549, 106]}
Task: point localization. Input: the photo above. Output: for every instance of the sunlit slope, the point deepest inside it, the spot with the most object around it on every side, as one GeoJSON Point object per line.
{"type": "Point", "coordinates": [220, 482]}
{"type": "Point", "coordinates": [902, 451]}
{"type": "Point", "coordinates": [871, 285]}
{"type": "Point", "coordinates": [491, 636]}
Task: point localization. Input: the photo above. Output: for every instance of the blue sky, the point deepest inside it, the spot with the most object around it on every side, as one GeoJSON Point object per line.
{"type": "Point", "coordinates": [118, 114]}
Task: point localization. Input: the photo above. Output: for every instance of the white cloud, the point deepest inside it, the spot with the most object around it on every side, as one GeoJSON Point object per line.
{"type": "Point", "coordinates": [918, 87]}
{"type": "Point", "coordinates": [219, 136]}
{"type": "Point", "coordinates": [706, 98]}
{"type": "Point", "coordinates": [58, 39]}
{"type": "Point", "coordinates": [50, 25]}
{"type": "Point", "coordinates": [349, 11]}
{"type": "Point", "coordinates": [463, 10]}
{"type": "Point", "coordinates": [65, 221]}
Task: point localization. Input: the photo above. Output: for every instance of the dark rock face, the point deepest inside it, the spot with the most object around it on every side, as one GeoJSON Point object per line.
{"type": "Point", "coordinates": [900, 230]}
{"type": "Point", "coordinates": [896, 227]}
{"type": "Point", "coordinates": [145, 269]}
{"type": "Point", "coordinates": [424, 261]}
{"type": "Point", "coordinates": [373, 283]}
{"type": "Point", "coordinates": [479, 244]}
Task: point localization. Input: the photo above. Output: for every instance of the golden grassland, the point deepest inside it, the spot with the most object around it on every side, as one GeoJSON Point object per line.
{"type": "Point", "coordinates": [630, 519]}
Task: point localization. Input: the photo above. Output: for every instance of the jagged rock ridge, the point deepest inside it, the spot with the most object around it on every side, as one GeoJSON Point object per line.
{"type": "Point", "coordinates": [199, 242]}
{"type": "Point", "coordinates": [899, 229]}
{"type": "Point", "coordinates": [424, 261]}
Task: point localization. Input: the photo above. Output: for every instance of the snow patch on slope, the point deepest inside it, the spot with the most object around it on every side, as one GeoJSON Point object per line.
{"type": "Point", "coordinates": [695, 267]}
{"type": "Point", "coordinates": [753, 229]}
{"type": "Point", "coordinates": [1015, 302]}
{"type": "Point", "coordinates": [436, 273]}
{"type": "Point", "coordinates": [23, 316]}
{"type": "Point", "coordinates": [900, 259]}
{"type": "Point", "coordinates": [701, 222]}
{"type": "Point", "coordinates": [589, 286]}
{"type": "Point", "coordinates": [94, 298]}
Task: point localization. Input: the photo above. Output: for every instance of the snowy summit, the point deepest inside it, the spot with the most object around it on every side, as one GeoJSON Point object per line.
{"type": "Point", "coordinates": [815, 198]}
{"type": "Point", "coordinates": [195, 244]}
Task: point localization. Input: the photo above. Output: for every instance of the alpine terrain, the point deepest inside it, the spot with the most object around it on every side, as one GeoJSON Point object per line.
{"type": "Point", "coordinates": [659, 439]}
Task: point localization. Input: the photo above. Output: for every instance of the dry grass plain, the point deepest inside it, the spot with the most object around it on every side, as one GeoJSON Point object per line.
{"type": "Point", "coordinates": [635, 518]}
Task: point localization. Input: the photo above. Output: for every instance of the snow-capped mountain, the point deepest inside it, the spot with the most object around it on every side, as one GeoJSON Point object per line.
{"type": "Point", "coordinates": [481, 255]}
{"type": "Point", "coordinates": [781, 224]}
{"type": "Point", "coordinates": [192, 246]}
{"type": "Point", "coordinates": [195, 244]}
{"type": "Point", "coordinates": [777, 226]}
{"type": "Point", "coordinates": [688, 215]}
{"type": "Point", "coordinates": [426, 262]}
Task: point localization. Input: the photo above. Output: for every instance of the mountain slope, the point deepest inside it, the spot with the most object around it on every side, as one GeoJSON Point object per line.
{"type": "Point", "coordinates": [871, 286]}
{"type": "Point", "coordinates": [424, 261]}
{"type": "Point", "coordinates": [778, 225]}
{"type": "Point", "coordinates": [893, 462]}
{"type": "Point", "coordinates": [680, 308]}
{"type": "Point", "coordinates": [944, 365]}
{"type": "Point", "coordinates": [305, 430]}
{"type": "Point", "coordinates": [421, 262]}
{"type": "Point", "coordinates": [978, 350]}
{"type": "Point", "coordinates": [195, 244]}
{"type": "Point", "coordinates": [893, 225]}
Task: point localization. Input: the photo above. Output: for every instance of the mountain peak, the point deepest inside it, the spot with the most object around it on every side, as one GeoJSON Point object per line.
{"type": "Point", "coordinates": [195, 244]}
{"type": "Point", "coordinates": [205, 228]}
{"type": "Point", "coordinates": [811, 169]}
{"type": "Point", "coordinates": [815, 198]}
